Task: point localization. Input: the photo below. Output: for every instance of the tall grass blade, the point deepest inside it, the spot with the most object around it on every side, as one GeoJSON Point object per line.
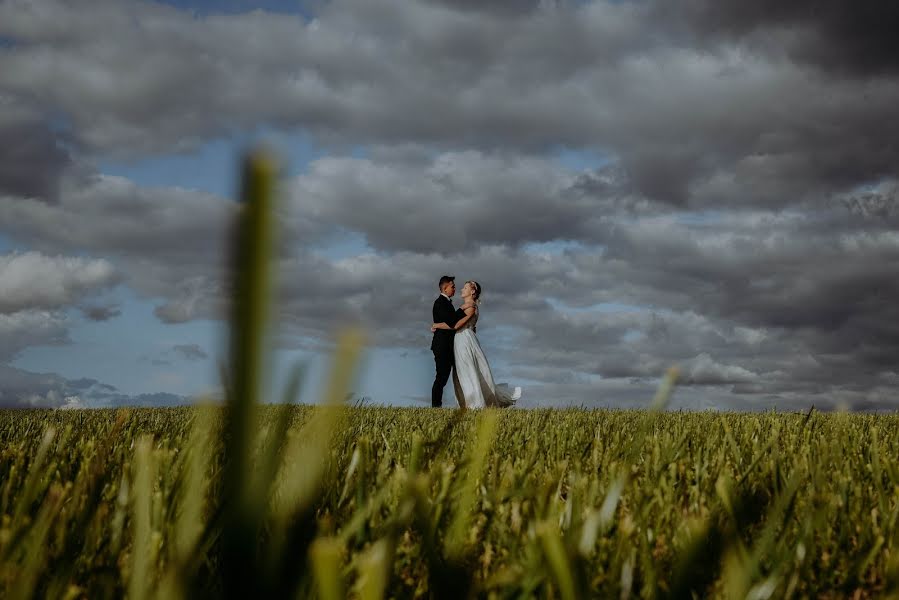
{"type": "Point", "coordinates": [325, 556]}
{"type": "Point", "coordinates": [375, 566]}
{"type": "Point", "coordinates": [252, 275]}
{"type": "Point", "coordinates": [139, 585]}
{"type": "Point", "coordinates": [557, 559]}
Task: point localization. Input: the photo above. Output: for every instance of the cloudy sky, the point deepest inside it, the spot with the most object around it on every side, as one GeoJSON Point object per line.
{"type": "Point", "coordinates": [636, 184]}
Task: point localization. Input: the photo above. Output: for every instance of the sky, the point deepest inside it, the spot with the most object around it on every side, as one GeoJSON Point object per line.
{"type": "Point", "coordinates": [637, 184]}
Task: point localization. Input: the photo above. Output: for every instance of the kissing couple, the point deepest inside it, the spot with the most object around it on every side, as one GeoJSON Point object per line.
{"type": "Point", "coordinates": [456, 348]}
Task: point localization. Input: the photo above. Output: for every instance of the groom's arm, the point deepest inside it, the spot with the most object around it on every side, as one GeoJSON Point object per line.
{"type": "Point", "coordinates": [444, 313]}
{"type": "Point", "coordinates": [435, 310]}
{"type": "Point", "coordinates": [447, 314]}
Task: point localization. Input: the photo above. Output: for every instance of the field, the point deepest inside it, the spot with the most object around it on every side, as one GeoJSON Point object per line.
{"type": "Point", "coordinates": [393, 502]}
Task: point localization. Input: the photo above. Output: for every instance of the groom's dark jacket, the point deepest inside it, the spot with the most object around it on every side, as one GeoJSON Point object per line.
{"type": "Point", "coordinates": [443, 312]}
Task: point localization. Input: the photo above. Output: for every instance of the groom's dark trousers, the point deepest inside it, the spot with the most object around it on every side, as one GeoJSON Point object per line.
{"type": "Point", "coordinates": [442, 347]}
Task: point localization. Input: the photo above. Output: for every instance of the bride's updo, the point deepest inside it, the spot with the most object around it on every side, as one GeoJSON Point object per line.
{"type": "Point", "coordinates": [476, 292]}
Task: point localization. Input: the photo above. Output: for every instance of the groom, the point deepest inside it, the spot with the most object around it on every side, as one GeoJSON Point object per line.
{"type": "Point", "coordinates": [442, 343]}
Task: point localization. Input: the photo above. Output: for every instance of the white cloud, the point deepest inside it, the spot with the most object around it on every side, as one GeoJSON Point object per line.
{"type": "Point", "coordinates": [72, 403]}
{"type": "Point", "coordinates": [31, 280]}
{"type": "Point", "coordinates": [703, 370]}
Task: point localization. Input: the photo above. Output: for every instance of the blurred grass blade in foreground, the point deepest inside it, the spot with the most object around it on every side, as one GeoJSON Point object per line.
{"type": "Point", "coordinates": [251, 305]}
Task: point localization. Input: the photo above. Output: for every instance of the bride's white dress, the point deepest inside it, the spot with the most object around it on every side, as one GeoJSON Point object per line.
{"type": "Point", "coordinates": [472, 378]}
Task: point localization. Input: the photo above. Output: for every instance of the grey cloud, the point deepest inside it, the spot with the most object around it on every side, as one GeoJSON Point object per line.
{"type": "Point", "coordinates": [694, 120]}
{"type": "Point", "coordinates": [183, 225]}
{"type": "Point", "coordinates": [394, 292]}
{"type": "Point", "coordinates": [750, 299]}
{"type": "Point", "coordinates": [771, 313]}
{"type": "Point", "coordinates": [192, 297]}
{"type": "Point", "coordinates": [24, 389]}
{"type": "Point", "coordinates": [34, 290]}
{"type": "Point", "coordinates": [747, 196]}
{"type": "Point", "coordinates": [164, 242]}
{"type": "Point", "coordinates": [117, 108]}
{"type": "Point", "coordinates": [744, 298]}
{"type": "Point", "coordinates": [621, 345]}
{"type": "Point", "coordinates": [882, 202]}
{"type": "Point", "coordinates": [32, 156]}
{"type": "Point", "coordinates": [460, 200]}
{"type": "Point", "coordinates": [27, 328]}
{"type": "Point", "coordinates": [187, 352]}
{"type": "Point", "coordinates": [83, 383]}
{"type": "Point", "coordinates": [854, 37]}
{"type": "Point", "coordinates": [98, 312]}
{"type": "Point", "coordinates": [190, 351]}
{"type": "Point", "coordinates": [704, 370]}
{"type": "Point", "coordinates": [175, 247]}
{"type": "Point", "coordinates": [498, 7]}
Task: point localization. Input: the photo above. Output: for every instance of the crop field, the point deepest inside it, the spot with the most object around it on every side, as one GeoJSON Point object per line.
{"type": "Point", "coordinates": [332, 502]}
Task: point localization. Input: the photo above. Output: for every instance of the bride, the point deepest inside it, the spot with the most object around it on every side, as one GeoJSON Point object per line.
{"type": "Point", "coordinates": [472, 378]}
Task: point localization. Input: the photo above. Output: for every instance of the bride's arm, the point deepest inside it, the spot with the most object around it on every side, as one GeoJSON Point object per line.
{"type": "Point", "coordinates": [469, 310]}
{"type": "Point", "coordinates": [468, 314]}
{"type": "Point", "coordinates": [459, 323]}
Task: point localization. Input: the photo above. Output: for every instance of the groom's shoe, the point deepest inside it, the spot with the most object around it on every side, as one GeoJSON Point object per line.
{"type": "Point", "coordinates": [436, 396]}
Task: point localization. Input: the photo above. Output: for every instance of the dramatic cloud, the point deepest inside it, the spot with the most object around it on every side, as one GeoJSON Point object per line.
{"type": "Point", "coordinates": [166, 242]}
{"type": "Point", "coordinates": [849, 37]}
{"type": "Point", "coordinates": [463, 200]}
{"type": "Point", "coordinates": [695, 119]}
{"type": "Point", "coordinates": [27, 328]}
{"type": "Point", "coordinates": [635, 184]}
{"type": "Point", "coordinates": [757, 303]}
{"type": "Point", "coordinates": [24, 389]}
{"type": "Point", "coordinates": [34, 288]}
{"type": "Point", "coordinates": [101, 312]}
{"type": "Point", "coordinates": [761, 299]}
{"type": "Point", "coordinates": [31, 280]}
{"type": "Point", "coordinates": [87, 383]}
{"type": "Point", "coordinates": [21, 389]}
{"type": "Point", "coordinates": [32, 158]}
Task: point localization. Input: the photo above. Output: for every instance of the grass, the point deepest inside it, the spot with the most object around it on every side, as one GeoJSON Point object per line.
{"type": "Point", "coordinates": [332, 501]}
{"type": "Point", "coordinates": [414, 502]}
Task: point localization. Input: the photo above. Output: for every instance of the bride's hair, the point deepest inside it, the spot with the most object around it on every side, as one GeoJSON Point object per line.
{"type": "Point", "coordinates": [477, 291]}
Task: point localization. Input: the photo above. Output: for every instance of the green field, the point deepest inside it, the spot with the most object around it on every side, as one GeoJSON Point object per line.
{"type": "Point", "coordinates": [395, 502]}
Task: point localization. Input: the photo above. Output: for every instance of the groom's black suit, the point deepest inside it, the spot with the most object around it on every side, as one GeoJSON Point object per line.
{"type": "Point", "coordinates": [442, 346]}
